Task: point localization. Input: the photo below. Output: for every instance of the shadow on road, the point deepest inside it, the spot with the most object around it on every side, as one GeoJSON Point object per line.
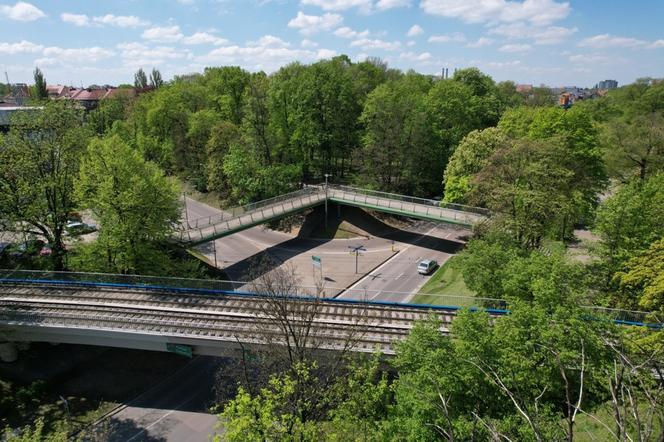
{"type": "Point", "coordinates": [272, 257]}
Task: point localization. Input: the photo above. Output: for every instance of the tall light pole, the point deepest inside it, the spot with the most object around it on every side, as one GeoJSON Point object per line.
{"type": "Point", "coordinates": [326, 176]}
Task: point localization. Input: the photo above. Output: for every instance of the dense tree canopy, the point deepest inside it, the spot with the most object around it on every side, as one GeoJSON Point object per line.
{"type": "Point", "coordinates": [39, 160]}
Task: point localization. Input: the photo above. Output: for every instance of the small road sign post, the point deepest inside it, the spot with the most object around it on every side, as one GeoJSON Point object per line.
{"type": "Point", "coordinates": [317, 261]}
{"type": "Point", "coordinates": [180, 349]}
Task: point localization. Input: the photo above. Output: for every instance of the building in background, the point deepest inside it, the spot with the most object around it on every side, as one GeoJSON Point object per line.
{"type": "Point", "coordinates": [607, 84]}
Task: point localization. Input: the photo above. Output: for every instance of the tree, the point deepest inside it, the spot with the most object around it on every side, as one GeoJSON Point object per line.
{"type": "Point", "coordinates": [39, 161]}
{"type": "Point", "coordinates": [227, 85]}
{"type": "Point", "coordinates": [289, 406]}
{"type": "Point", "coordinates": [140, 79]}
{"type": "Point", "coordinates": [526, 186]}
{"type": "Point", "coordinates": [642, 280]}
{"type": "Point", "coordinates": [635, 146]}
{"type": "Point", "coordinates": [40, 92]}
{"type": "Point", "coordinates": [469, 158]}
{"type": "Point", "coordinates": [629, 221]}
{"type": "Point", "coordinates": [155, 79]}
{"type": "Point", "coordinates": [397, 140]}
{"type": "Point", "coordinates": [134, 203]}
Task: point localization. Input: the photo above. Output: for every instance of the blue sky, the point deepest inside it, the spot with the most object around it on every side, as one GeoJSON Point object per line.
{"type": "Point", "coordinates": [81, 42]}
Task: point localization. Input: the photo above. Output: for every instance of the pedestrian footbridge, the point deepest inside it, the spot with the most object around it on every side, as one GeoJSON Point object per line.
{"type": "Point", "coordinates": [202, 230]}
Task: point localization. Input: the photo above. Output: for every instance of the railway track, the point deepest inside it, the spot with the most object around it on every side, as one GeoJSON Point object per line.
{"type": "Point", "coordinates": [225, 317]}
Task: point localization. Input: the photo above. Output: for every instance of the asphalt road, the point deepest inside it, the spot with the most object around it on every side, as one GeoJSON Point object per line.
{"type": "Point", "coordinates": [173, 411]}
{"type": "Point", "coordinates": [389, 276]}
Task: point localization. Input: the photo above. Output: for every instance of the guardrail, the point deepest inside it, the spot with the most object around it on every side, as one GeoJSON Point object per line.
{"type": "Point", "coordinates": [411, 199]}
{"type": "Point", "coordinates": [234, 212]}
{"type": "Point", "coordinates": [260, 213]}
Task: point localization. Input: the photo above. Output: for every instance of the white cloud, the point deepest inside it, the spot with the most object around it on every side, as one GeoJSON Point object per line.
{"type": "Point", "coordinates": [591, 58]}
{"type": "Point", "coordinates": [121, 21]}
{"type": "Point", "coordinates": [311, 24]}
{"type": "Point", "coordinates": [269, 41]}
{"type": "Point", "coordinates": [339, 5]}
{"type": "Point", "coordinates": [76, 55]}
{"type": "Point", "coordinates": [389, 4]}
{"type": "Point", "coordinates": [610, 41]}
{"type": "Point", "coordinates": [539, 35]}
{"type": "Point", "coordinates": [367, 44]}
{"type": "Point", "coordinates": [22, 11]}
{"type": "Point", "coordinates": [414, 31]}
{"type": "Point", "coordinates": [540, 12]}
{"type": "Point", "coordinates": [365, 6]}
{"type": "Point", "coordinates": [456, 37]}
{"type": "Point", "coordinates": [346, 32]}
{"type": "Point", "coordinates": [140, 55]}
{"type": "Point", "coordinates": [415, 57]}
{"type": "Point", "coordinates": [202, 38]}
{"type": "Point", "coordinates": [481, 42]}
{"type": "Point", "coordinates": [186, 2]}
{"type": "Point", "coordinates": [75, 19]}
{"type": "Point", "coordinates": [325, 53]}
{"type": "Point", "coordinates": [22, 47]}
{"type": "Point", "coordinates": [656, 44]}
{"type": "Point", "coordinates": [166, 34]}
{"type": "Point", "coordinates": [515, 48]}
{"type": "Point", "coordinates": [268, 53]}
{"type": "Point", "coordinates": [308, 44]}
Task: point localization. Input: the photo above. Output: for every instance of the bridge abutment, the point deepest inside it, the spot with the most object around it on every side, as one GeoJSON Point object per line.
{"type": "Point", "coordinates": [8, 352]}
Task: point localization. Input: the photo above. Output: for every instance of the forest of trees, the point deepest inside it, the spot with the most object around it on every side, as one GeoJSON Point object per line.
{"type": "Point", "coordinates": [540, 373]}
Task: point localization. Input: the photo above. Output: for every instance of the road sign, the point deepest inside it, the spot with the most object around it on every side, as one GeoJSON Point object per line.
{"type": "Point", "coordinates": [180, 349]}
{"type": "Point", "coordinates": [316, 260]}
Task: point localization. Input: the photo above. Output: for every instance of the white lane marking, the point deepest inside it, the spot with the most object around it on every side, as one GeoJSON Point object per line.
{"type": "Point", "coordinates": [388, 261]}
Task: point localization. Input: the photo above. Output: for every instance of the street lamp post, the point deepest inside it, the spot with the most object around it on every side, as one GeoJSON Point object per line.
{"type": "Point", "coordinates": [357, 250]}
{"type": "Point", "coordinates": [326, 176]}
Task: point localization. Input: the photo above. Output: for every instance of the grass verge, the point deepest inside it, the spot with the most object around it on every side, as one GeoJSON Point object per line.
{"type": "Point", "coordinates": [446, 287]}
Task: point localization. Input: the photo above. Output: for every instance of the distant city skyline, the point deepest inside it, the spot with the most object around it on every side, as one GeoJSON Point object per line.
{"type": "Point", "coordinates": [535, 42]}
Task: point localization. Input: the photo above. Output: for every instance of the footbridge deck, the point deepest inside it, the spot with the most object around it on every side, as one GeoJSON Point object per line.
{"type": "Point", "coordinates": [198, 231]}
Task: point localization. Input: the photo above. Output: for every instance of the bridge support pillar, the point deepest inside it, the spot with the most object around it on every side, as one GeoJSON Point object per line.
{"type": "Point", "coordinates": [8, 352]}
{"type": "Point", "coordinates": [338, 211]}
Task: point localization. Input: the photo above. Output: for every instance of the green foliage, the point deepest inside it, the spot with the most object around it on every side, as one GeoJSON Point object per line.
{"type": "Point", "coordinates": [469, 158]}
{"type": "Point", "coordinates": [528, 190]}
{"type": "Point", "coordinates": [643, 279]}
{"type": "Point", "coordinates": [40, 91]}
{"type": "Point", "coordinates": [38, 162]}
{"type": "Point", "coordinates": [134, 203]}
{"type": "Point", "coordinates": [630, 220]}
{"type": "Point", "coordinates": [140, 79]}
{"type": "Point", "coordinates": [35, 433]}
{"type": "Point", "coordinates": [109, 111]}
{"type": "Point", "coordinates": [397, 148]}
{"type": "Point", "coordinates": [155, 79]}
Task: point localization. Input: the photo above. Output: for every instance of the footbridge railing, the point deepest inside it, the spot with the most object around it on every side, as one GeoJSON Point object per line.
{"type": "Point", "coordinates": [231, 220]}
{"type": "Point", "coordinates": [407, 205]}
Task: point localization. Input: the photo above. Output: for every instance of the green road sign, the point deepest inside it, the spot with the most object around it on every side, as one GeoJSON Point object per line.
{"type": "Point", "coordinates": [316, 260]}
{"type": "Point", "coordinates": [180, 349]}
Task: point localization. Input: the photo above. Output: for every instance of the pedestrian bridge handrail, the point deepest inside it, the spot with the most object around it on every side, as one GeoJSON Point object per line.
{"type": "Point", "coordinates": [217, 287]}
{"type": "Point", "coordinates": [411, 199]}
{"type": "Point", "coordinates": [234, 212]}
{"type": "Point", "coordinates": [205, 229]}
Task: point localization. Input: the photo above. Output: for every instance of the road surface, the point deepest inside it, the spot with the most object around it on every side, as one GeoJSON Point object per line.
{"type": "Point", "coordinates": [390, 276]}
{"type": "Point", "coordinates": [175, 410]}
